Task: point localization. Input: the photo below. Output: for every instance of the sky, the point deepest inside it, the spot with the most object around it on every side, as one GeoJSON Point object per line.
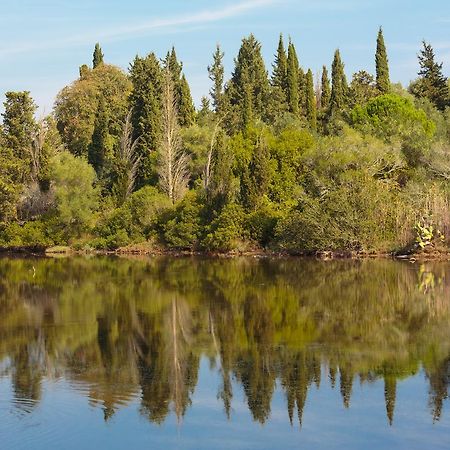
{"type": "Point", "coordinates": [43, 42]}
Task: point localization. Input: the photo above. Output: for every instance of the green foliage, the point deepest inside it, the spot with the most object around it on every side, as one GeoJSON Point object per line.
{"type": "Point", "coordinates": [99, 149]}
{"type": "Point", "coordinates": [226, 231]}
{"type": "Point", "coordinates": [182, 226]}
{"type": "Point", "coordinates": [146, 106]}
{"type": "Point", "coordinates": [311, 107]}
{"type": "Point", "coordinates": [338, 85]}
{"type": "Point", "coordinates": [249, 85]}
{"type": "Point", "coordinates": [432, 84]}
{"type": "Point", "coordinates": [76, 197]}
{"type": "Point", "coordinates": [97, 57]}
{"type": "Point", "coordinates": [267, 165]}
{"type": "Point", "coordinates": [325, 90]}
{"type": "Point", "coordinates": [216, 75]}
{"type": "Point", "coordinates": [390, 116]}
{"type": "Point", "coordinates": [293, 84]}
{"type": "Point", "coordinates": [382, 66]}
{"type": "Point", "coordinates": [77, 105]}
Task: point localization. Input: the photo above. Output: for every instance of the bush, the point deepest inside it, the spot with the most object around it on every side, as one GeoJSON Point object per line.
{"type": "Point", "coordinates": [226, 230]}
{"type": "Point", "coordinates": [181, 227]}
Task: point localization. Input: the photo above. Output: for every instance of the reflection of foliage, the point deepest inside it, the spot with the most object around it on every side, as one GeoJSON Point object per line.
{"type": "Point", "coordinates": [126, 328]}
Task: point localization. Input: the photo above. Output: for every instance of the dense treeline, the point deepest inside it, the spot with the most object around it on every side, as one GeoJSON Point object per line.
{"type": "Point", "coordinates": [131, 330]}
{"type": "Point", "coordinates": [285, 161]}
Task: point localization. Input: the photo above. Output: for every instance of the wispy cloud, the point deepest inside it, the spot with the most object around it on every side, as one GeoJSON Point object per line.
{"type": "Point", "coordinates": [117, 33]}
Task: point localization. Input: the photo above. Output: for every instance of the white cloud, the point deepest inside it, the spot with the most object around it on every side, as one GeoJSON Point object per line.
{"type": "Point", "coordinates": [159, 24]}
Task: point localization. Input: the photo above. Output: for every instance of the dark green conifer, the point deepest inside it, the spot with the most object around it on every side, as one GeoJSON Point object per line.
{"type": "Point", "coordinates": [278, 86]}
{"type": "Point", "coordinates": [325, 90]}
{"type": "Point", "coordinates": [382, 65]}
{"type": "Point", "coordinates": [185, 105]}
{"type": "Point", "coordinates": [311, 107]}
{"type": "Point", "coordinates": [432, 84]}
{"type": "Point", "coordinates": [338, 84]}
{"type": "Point", "coordinates": [98, 149]}
{"type": "Point", "coordinates": [293, 71]}
{"type": "Point", "coordinates": [97, 58]}
{"type": "Point", "coordinates": [145, 102]}
{"type": "Point", "coordinates": [216, 73]}
{"type": "Point", "coordinates": [279, 76]}
{"type": "Point", "coordinates": [249, 86]}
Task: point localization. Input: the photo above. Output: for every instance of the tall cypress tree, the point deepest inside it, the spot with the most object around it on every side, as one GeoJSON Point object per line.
{"type": "Point", "coordinates": [216, 73]}
{"type": "Point", "coordinates": [278, 97]}
{"type": "Point", "coordinates": [98, 149]}
{"type": "Point", "coordinates": [145, 102]}
{"type": "Point", "coordinates": [432, 84]}
{"type": "Point", "coordinates": [293, 71]}
{"type": "Point", "coordinates": [185, 105]}
{"type": "Point", "coordinates": [382, 65]}
{"type": "Point", "coordinates": [311, 107]}
{"type": "Point", "coordinates": [97, 58]}
{"type": "Point", "coordinates": [279, 75]}
{"type": "Point", "coordinates": [338, 84]}
{"type": "Point", "coordinates": [325, 90]}
{"type": "Point", "coordinates": [186, 108]}
{"type": "Point", "coordinates": [249, 86]}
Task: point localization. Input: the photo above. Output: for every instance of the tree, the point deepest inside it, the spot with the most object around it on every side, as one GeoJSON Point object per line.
{"type": "Point", "coordinates": [293, 71]}
{"type": "Point", "coordinates": [146, 75]}
{"type": "Point", "coordinates": [249, 85]}
{"type": "Point", "coordinates": [382, 65]}
{"type": "Point", "coordinates": [99, 148]}
{"type": "Point", "coordinates": [18, 123]}
{"type": "Point", "coordinates": [173, 161]}
{"type": "Point", "coordinates": [186, 113]}
{"type": "Point", "coordinates": [338, 84]}
{"type": "Point", "coordinates": [311, 107]}
{"type": "Point", "coordinates": [216, 73]}
{"type": "Point", "coordinates": [182, 92]}
{"type": "Point", "coordinates": [432, 84]}
{"type": "Point", "coordinates": [256, 177]}
{"type": "Point", "coordinates": [77, 105]}
{"type": "Point", "coordinates": [76, 197]}
{"type": "Point", "coordinates": [279, 80]}
{"type": "Point", "coordinates": [362, 88]}
{"type": "Point", "coordinates": [97, 58]}
{"type": "Point", "coordinates": [126, 163]}
{"type": "Point", "coordinates": [325, 90]}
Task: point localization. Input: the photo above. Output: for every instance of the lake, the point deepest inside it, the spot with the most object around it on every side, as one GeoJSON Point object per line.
{"type": "Point", "coordinates": [246, 353]}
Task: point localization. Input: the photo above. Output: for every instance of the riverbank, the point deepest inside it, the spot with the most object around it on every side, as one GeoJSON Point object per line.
{"type": "Point", "coordinates": [428, 254]}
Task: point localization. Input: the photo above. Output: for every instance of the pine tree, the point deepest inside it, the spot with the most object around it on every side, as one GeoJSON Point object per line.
{"type": "Point", "coordinates": [338, 85]}
{"type": "Point", "coordinates": [293, 71]}
{"type": "Point", "coordinates": [432, 84]}
{"type": "Point", "coordinates": [249, 86]}
{"type": "Point", "coordinates": [216, 74]}
{"type": "Point", "coordinates": [98, 149]}
{"type": "Point", "coordinates": [311, 107]}
{"type": "Point", "coordinates": [382, 65]}
{"type": "Point", "coordinates": [325, 90]}
{"type": "Point", "coordinates": [97, 58]}
{"type": "Point", "coordinates": [145, 101]}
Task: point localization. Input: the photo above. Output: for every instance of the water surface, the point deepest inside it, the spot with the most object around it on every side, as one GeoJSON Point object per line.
{"type": "Point", "coordinates": [223, 354]}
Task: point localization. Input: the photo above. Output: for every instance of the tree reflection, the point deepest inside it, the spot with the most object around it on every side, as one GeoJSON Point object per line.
{"type": "Point", "coordinates": [126, 329]}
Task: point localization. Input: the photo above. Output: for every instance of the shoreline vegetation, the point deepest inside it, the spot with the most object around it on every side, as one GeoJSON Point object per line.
{"type": "Point", "coordinates": [274, 162]}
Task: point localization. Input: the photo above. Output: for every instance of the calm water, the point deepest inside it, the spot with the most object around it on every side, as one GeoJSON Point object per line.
{"type": "Point", "coordinates": [223, 354]}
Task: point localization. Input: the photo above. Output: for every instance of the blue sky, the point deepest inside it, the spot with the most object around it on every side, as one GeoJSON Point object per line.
{"type": "Point", "coordinates": [43, 42]}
